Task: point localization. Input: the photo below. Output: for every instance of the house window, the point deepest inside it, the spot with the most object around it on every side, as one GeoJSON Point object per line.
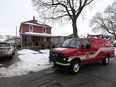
{"type": "Point", "coordinates": [43, 39]}
{"type": "Point", "coordinates": [27, 40]}
{"type": "Point", "coordinates": [44, 30]}
{"type": "Point", "coordinates": [30, 28]}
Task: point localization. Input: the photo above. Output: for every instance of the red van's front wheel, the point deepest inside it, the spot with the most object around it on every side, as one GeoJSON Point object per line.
{"type": "Point", "coordinates": [75, 67]}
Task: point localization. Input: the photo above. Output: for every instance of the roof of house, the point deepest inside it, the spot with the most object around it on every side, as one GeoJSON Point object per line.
{"type": "Point", "coordinates": [35, 22]}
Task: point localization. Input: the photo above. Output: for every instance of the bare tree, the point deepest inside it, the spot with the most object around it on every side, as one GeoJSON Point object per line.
{"type": "Point", "coordinates": [105, 23]}
{"type": "Point", "coordinates": [8, 37]}
{"type": "Point", "coordinates": [61, 9]}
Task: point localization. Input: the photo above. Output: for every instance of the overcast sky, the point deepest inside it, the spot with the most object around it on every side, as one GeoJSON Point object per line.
{"type": "Point", "coordinates": [13, 12]}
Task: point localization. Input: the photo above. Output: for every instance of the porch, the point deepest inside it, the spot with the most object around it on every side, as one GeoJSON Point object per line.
{"type": "Point", "coordinates": [35, 41]}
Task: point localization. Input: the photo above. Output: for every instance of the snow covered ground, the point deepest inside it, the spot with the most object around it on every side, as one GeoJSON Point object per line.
{"type": "Point", "coordinates": [30, 61]}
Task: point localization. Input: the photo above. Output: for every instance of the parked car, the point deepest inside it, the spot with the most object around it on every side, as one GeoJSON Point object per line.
{"type": "Point", "coordinates": [6, 50]}
{"type": "Point", "coordinates": [12, 47]}
{"type": "Point", "coordinates": [77, 51]}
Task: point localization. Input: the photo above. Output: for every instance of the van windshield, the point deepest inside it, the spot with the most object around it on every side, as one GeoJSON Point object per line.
{"type": "Point", "coordinates": [72, 43]}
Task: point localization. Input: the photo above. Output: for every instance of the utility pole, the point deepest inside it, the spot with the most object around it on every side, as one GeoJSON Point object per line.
{"type": "Point", "coordinates": [16, 31]}
{"type": "Point", "coordinates": [15, 36]}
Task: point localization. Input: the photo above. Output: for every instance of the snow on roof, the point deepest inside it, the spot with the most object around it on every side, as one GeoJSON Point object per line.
{"type": "Point", "coordinates": [31, 23]}
{"type": "Point", "coordinates": [38, 34]}
{"type": "Point", "coordinates": [35, 24]}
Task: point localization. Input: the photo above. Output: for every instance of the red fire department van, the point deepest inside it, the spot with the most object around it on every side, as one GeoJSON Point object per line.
{"type": "Point", "coordinates": [76, 51]}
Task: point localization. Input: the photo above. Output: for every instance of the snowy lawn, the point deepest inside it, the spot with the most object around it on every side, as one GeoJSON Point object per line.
{"type": "Point", "coordinates": [30, 61]}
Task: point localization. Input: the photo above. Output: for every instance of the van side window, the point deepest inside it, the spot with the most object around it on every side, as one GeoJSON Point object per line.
{"type": "Point", "coordinates": [85, 43]}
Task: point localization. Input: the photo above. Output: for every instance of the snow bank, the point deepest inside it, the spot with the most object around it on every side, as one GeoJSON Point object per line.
{"type": "Point", "coordinates": [30, 61]}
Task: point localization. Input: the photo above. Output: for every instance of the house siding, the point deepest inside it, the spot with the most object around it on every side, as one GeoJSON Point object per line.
{"type": "Point", "coordinates": [37, 29]}
{"type": "Point", "coordinates": [25, 28]}
{"type": "Point", "coordinates": [48, 31]}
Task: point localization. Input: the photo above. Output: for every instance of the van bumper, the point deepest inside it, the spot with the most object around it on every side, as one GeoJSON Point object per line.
{"type": "Point", "coordinates": [59, 64]}
{"type": "Point", "coordinates": [63, 64]}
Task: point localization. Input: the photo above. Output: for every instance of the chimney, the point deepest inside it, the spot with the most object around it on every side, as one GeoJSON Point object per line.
{"type": "Point", "coordinates": [34, 20]}
{"type": "Point", "coordinates": [33, 17]}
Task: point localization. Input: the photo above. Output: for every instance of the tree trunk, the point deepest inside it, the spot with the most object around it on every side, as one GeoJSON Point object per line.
{"type": "Point", "coordinates": [74, 26]}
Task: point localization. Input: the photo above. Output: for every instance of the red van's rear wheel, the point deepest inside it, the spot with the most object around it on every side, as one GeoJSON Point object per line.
{"type": "Point", "coordinates": [105, 61]}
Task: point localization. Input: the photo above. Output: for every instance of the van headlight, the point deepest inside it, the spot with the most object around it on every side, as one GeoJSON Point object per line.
{"type": "Point", "coordinates": [65, 58]}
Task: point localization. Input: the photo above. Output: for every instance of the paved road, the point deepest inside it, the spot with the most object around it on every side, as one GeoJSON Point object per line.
{"type": "Point", "coordinates": [92, 75]}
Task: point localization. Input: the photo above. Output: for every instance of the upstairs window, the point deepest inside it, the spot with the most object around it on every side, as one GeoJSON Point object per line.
{"type": "Point", "coordinates": [44, 30]}
{"type": "Point", "coordinates": [30, 28]}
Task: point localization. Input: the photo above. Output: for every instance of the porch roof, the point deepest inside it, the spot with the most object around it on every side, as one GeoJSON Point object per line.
{"type": "Point", "coordinates": [38, 34]}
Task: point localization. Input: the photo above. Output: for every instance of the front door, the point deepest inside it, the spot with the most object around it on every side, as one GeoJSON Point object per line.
{"type": "Point", "coordinates": [86, 52]}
